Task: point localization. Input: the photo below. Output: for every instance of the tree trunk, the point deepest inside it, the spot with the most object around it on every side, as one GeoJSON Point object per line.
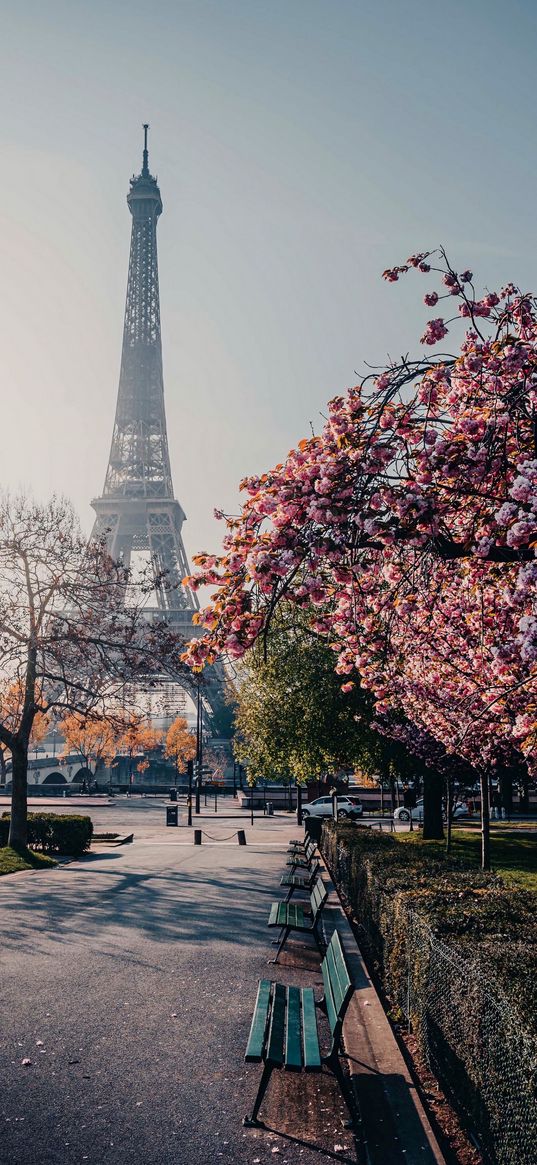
{"type": "Point", "coordinates": [449, 799]}
{"type": "Point", "coordinates": [523, 789]}
{"type": "Point", "coordinates": [18, 828]}
{"type": "Point", "coordinates": [392, 791]}
{"type": "Point", "coordinates": [433, 825]}
{"type": "Point", "coordinates": [298, 803]}
{"type": "Point", "coordinates": [506, 791]}
{"type": "Point", "coordinates": [2, 766]}
{"type": "Point", "coordinates": [485, 820]}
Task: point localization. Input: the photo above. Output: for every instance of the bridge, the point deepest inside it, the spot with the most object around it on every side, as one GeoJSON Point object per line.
{"type": "Point", "coordinates": [55, 771]}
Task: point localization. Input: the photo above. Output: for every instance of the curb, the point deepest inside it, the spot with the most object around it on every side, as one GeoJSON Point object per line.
{"type": "Point", "coordinates": [394, 1125]}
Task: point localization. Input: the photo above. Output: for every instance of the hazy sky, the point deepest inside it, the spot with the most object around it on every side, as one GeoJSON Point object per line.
{"type": "Point", "coordinates": [301, 146]}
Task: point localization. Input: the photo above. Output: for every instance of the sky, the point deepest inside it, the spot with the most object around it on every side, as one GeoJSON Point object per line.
{"type": "Point", "coordinates": [301, 146]}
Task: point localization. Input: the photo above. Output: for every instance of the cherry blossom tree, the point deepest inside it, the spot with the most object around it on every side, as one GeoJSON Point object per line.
{"type": "Point", "coordinates": [408, 529]}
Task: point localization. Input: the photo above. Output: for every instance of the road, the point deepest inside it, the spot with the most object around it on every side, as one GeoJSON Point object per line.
{"type": "Point", "coordinates": [128, 981]}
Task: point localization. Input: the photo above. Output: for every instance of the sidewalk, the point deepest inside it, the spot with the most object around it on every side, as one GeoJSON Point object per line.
{"type": "Point", "coordinates": [128, 984]}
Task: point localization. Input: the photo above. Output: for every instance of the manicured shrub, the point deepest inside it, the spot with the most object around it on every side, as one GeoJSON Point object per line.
{"type": "Point", "coordinates": [456, 952]}
{"type": "Point", "coordinates": [60, 833]}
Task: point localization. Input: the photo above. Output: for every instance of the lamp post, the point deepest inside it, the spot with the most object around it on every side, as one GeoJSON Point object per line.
{"type": "Point", "coordinates": [199, 745]}
{"type": "Point", "coordinates": [299, 803]}
{"type": "Point", "coordinates": [190, 771]}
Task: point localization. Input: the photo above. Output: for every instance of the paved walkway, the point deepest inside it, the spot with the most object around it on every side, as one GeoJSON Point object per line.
{"type": "Point", "coordinates": [128, 981]}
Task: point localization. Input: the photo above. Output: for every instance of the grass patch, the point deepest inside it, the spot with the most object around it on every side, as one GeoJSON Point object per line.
{"type": "Point", "coordinates": [12, 862]}
{"type": "Point", "coordinates": [513, 854]}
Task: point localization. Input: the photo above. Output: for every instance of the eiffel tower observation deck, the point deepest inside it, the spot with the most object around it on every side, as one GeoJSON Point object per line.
{"type": "Point", "coordinates": [137, 511]}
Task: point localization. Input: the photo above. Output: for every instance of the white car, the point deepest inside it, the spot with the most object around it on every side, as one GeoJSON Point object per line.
{"type": "Point", "coordinates": [403, 814]}
{"type": "Point", "coordinates": [322, 807]}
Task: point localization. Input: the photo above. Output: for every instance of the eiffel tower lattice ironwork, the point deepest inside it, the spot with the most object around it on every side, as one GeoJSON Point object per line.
{"type": "Point", "coordinates": [137, 510]}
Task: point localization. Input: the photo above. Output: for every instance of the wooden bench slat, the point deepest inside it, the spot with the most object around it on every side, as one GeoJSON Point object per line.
{"type": "Point", "coordinates": [256, 1039]}
{"type": "Point", "coordinates": [331, 1009]}
{"type": "Point", "coordinates": [293, 1046]}
{"type": "Point", "coordinates": [310, 1046]}
{"type": "Point", "coordinates": [337, 983]}
{"type": "Point", "coordinates": [340, 972]}
{"type": "Point", "coordinates": [288, 914]}
{"type": "Point", "coordinates": [275, 1042]}
{"type": "Point", "coordinates": [337, 991]}
{"type": "Point", "coordinates": [274, 914]}
{"type": "Point", "coordinates": [318, 895]}
{"type": "Point", "coordinates": [296, 916]}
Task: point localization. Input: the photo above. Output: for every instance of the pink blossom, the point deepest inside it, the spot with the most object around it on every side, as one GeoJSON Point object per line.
{"type": "Point", "coordinates": [435, 330]}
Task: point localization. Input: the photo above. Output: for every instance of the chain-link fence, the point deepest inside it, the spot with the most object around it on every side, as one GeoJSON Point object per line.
{"type": "Point", "coordinates": [474, 1044]}
{"type": "Point", "coordinates": [468, 1032]}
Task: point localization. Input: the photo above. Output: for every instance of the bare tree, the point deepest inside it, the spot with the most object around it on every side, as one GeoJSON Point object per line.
{"type": "Point", "coordinates": [69, 641]}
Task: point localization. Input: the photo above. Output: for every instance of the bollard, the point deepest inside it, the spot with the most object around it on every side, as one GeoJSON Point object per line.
{"type": "Point", "coordinates": [241, 836]}
{"type": "Point", "coordinates": [197, 837]}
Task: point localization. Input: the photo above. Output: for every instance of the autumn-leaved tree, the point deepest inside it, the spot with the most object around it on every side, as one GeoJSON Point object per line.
{"type": "Point", "coordinates": [68, 638]}
{"type": "Point", "coordinates": [95, 738]}
{"type": "Point", "coordinates": [11, 699]}
{"type": "Point", "coordinates": [136, 736]}
{"type": "Point", "coordinates": [180, 743]}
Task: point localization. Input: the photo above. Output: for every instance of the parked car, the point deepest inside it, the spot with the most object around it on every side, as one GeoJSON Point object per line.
{"type": "Point", "coordinates": [460, 809]}
{"type": "Point", "coordinates": [322, 807]}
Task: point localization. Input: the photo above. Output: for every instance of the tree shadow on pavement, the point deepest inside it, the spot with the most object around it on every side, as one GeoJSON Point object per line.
{"type": "Point", "coordinates": [165, 905]}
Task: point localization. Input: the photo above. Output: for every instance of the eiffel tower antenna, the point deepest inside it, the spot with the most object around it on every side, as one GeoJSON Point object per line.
{"type": "Point", "coordinates": [145, 167]}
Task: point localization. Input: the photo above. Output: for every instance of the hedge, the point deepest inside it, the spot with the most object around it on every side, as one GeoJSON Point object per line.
{"type": "Point", "coordinates": [54, 832]}
{"type": "Point", "coordinates": [456, 953]}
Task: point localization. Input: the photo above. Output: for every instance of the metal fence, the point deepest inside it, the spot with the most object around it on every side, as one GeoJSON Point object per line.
{"type": "Point", "coordinates": [468, 1032]}
{"type": "Point", "coordinates": [474, 1044]}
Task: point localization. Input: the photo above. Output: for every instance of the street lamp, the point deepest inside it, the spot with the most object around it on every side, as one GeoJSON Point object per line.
{"type": "Point", "coordinates": [199, 744]}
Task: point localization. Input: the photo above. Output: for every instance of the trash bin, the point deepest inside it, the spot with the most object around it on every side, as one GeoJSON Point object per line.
{"type": "Point", "coordinates": [270, 809]}
{"type": "Point", "coordinates": [172, 814]}
{"type": "Point", "coordinates": [313, 827]}
{"type": "Point", "coordinates": [173, 794]}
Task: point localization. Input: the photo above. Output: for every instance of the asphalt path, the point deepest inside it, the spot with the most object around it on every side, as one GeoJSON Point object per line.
{"type": "Point", "coordinates": [128, 981]}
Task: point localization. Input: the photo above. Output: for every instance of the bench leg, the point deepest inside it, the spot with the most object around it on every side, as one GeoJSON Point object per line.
{"type": "Point", "coordinates": [251, 1122]}
{"type": "Point", "coordinates": [333, 1063]}
{"type": "Point", "coordinates": [318, 939]}
{"type": "Point", "coordinates": [281, 944]}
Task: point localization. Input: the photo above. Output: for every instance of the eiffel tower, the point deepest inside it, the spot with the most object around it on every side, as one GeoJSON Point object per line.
{"type": "Point", "coordinates": [137, 511]}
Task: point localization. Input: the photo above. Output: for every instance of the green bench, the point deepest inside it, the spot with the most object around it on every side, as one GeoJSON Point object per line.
{"type": "Point", "coordinates": [288, 916]}
{"type": "Point", "coordinates": [284, 1032]}
{"type": "Point", "coordinates": [304, 880]}
{"type": "Point", "coordinates": [304, 848]}
{"type": "Point", "coordinates": [302, 859]}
